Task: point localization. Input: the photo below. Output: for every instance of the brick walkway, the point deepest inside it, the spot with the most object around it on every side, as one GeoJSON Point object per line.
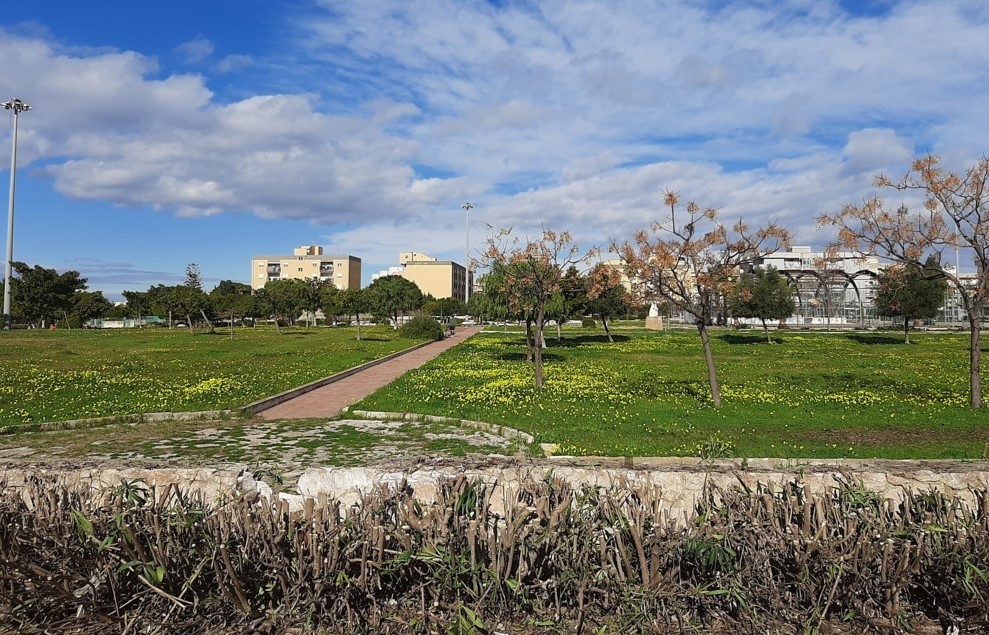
{"type": "Point", "coordinates": [331, 399]}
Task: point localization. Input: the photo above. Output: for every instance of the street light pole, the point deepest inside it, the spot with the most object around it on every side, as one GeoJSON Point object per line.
{"type": "Point", "coordinates": [17, 107]}
{"type": "Point", "coordinates": [467, 207]}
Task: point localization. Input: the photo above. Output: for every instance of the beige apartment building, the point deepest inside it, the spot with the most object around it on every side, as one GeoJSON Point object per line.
{"type": "Point", "coordinates": [439, 278]}
{"type": "Point", "coordinates": [307, 262]}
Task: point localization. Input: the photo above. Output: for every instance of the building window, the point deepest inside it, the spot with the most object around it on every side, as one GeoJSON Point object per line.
{"type": "Point", "coordinates": [300, 269]}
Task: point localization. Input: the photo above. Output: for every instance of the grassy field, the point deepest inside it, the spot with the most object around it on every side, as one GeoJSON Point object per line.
{"type": "Point", "coordinates": [858, 395]}
{"type": "Point", "coordinates": [61, 375]}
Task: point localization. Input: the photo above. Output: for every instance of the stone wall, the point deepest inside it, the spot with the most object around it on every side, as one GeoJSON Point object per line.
{"type": "Point", "coordinates": [678, 482]}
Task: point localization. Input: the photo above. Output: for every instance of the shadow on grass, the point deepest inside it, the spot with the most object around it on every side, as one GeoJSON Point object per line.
{"type": "Point", "coordinates": [752, 338]}
{"type": "Point", "coordinates": [580, 340]}
{"type": "Point", "coordinates": [373, 338]}
{"type": "Point", "coordinates": [861, 338]}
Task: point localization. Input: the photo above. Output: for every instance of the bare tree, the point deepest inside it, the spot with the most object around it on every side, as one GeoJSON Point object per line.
{"type": "Point", "coordinates": [955, 215]}
{"type": "Point", "coordinates": [531, 271]}
{"type": "Point", "coordinates": [680, 262]}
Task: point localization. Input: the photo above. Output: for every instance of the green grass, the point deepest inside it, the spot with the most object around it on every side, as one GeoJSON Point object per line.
{"type": "Point", "coordinates": [62, 375]}
{"type": "Point", "coordinates": [809, 395]}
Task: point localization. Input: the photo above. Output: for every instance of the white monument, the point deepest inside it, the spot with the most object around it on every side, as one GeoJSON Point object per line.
{"type": "Point", "coordinates": [653, 321]}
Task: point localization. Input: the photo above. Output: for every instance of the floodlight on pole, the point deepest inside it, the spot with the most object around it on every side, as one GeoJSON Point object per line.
{"type": "Point", "coordinates": [467, 207]}
{"type": "Point", "coordinates": [16, 106]}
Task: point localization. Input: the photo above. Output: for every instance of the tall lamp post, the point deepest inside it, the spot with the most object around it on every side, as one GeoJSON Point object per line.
{"type": "Point", "coordinates": [467, 207]}
{"type": "Point", "coordinates": [17, 107]}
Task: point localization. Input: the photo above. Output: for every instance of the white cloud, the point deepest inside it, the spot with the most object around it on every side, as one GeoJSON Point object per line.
{"type": "Point", "coordinates": [575, 114]}
{"type": "Point", "coordinates": [232, 63]}
{"type": "Point", "coordinates": [195, 51]}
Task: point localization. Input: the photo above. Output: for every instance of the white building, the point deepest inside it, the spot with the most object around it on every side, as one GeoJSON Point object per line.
{"type": "Point", "coordinates": [835, 287]}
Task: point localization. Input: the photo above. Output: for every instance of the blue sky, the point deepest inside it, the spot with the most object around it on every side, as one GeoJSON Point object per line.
{"type": "Point", "coordinates": [178, 132]}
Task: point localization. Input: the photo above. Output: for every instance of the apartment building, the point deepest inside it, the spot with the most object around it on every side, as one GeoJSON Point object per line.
{"type": "Point", "coordinates": [307, 262]}
{"type": "Point", "coordinates": [439, 278]}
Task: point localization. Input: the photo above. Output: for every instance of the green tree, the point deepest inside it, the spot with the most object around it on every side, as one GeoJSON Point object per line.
{"type": "Point", "coordinates": [493, 288]}
{"type": "Point", "coordinates": [480, 306]}
{"type": "Point", "coordinates": [193, 276]}
{"type": "Point", "coordinates": [606, 297]}
{"type": "Point", "coordinates": [571, 301]}
{"type": "Point", "coordinates": [116, 312]}
{"type": "Point", "coordinates": [392, 296]}
{"type": "Point", "coordinates": [444, 307]}
{"type": "Point", "coordinates": [329, 301]}
{"type": "Point", "coordinates": [911, 292]}
{"type": "Point", "coordinates": [40, 296]}
{"type": "Point", "coordinates": [179, 300]}
{"type": "Point", "coordinates": [557, 310]}
{"type": "Point", "coordinates": [287, 299]}
{"type": "Point", "coordinates": [232, 300]}
{"type": "Point", "coordinates": [138, 304]}
{"type": "Point", "coordinates": [763, 294]}
{"type": "Point", "coordinates": [87, 305]}
{"type": "Point", "coordinates": [313, 298]}
{"type": "Point", "coordinates": [354, 302]}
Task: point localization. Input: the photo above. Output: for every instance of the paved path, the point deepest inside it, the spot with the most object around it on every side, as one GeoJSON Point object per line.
{"type": "Point", "coordinates": [331, 399]}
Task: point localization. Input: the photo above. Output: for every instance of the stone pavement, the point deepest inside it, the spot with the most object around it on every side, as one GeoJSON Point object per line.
{"type": "Point", "coordinates": [330, 400]}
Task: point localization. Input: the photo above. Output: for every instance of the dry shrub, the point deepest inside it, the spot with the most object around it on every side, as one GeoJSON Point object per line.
{"type": "Point", "coordinates": [559, 559]}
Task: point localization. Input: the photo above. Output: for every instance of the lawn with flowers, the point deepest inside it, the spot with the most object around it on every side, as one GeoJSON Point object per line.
{"type": "Point", "coordinates": [61, 375]}
{"type": "Point", "coordinates": [858, 395]}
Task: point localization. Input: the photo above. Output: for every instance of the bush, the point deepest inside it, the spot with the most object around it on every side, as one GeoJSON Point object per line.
{"type": "Point", "coordinates": [769, 560]}
{"type": "Point", "coordinates": [422, 327]}
{"type": "Point", "coordinates": [588, 323]}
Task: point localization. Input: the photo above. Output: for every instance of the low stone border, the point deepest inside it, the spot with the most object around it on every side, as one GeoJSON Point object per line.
{"type": "Point", "coordinates": [270, 402]}
{"type": "Point", "coordinates": [96, 422]}
{"type": "Point", "coordinates": [491, 428]}
{"type": "Point", "coordinates": [679, 487]}
{"type": "Point", "coordinates": [213, 484]}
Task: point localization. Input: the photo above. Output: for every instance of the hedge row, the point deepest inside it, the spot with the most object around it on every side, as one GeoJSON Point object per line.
{"type": "Point", "coordinates": [556, 560]}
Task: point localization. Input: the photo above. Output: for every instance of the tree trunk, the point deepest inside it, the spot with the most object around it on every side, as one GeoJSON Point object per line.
{"type": "Point", "coordinates": [769, 339]}
{"type": "Point", "coordinates": [188, 318]}
{"type": "Point", "coordinates": [538, 346]}
{"type": "Point", "coordinates": [604, 321]}
{"type": "Point", "coordinates": [358, 320]}
{"type": "Point", "coordinates": [559, 335]}
{"type": "Point", "coordinates": [209, 323]}
{"type": "Point", "coordinates": [906, 330]}
{"type": "Point", "coordinates": [528, 340]}
{"type": "Point", "coordinates": [975, 357]}
{"type": "Point", "coordinates": [712, 372]}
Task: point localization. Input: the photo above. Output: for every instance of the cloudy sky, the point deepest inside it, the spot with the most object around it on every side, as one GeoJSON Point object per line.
{"type": "Point", "coordinates": [165, 133]}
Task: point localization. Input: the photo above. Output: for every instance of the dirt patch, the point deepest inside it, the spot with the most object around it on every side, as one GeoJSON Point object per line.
{"type": "Point", "coordinates": [883, 436]}
{"type": "Point", "coordinates": [280, 449]}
